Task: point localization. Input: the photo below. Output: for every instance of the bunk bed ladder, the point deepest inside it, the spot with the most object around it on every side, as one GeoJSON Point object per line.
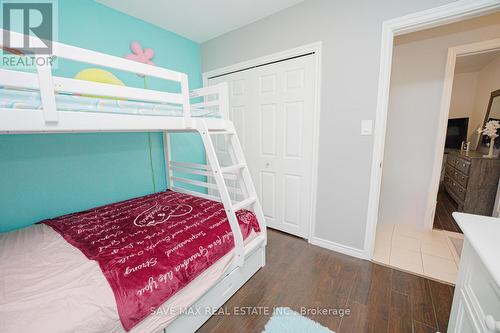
{"type": "Point", "coordinates": [240, 169]}
{"type": "Point", "coordinates": [245, 179]}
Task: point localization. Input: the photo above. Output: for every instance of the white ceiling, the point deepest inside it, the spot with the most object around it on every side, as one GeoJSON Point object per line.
{"type": "Point", "coordinates": [475, 62]}
{"type": "Point", "coordinates": [199, 20]}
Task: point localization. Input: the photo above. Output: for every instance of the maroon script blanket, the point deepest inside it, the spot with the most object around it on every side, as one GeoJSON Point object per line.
{"type": "Point", "coordinates": [151, 247]}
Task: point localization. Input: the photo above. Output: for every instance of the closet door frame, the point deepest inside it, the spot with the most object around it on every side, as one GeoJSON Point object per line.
{"type": "Point", "coordinates": [315, 49]}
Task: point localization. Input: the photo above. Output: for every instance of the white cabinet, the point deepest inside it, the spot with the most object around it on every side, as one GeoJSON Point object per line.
{"type": "Point", "coordinates": [496, 207]}
{"type": "Point", "coordinates": [461, 318]}
{"type": "Point", "coordinates": [476, 303]}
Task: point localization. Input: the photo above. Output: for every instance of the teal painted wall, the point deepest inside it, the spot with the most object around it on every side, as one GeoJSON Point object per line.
{"type": "Point", "coordinates": [43, 176]}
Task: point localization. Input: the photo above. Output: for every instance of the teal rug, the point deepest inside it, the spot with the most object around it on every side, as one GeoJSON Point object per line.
{"type": "Point", "coordinates": [285, 320]}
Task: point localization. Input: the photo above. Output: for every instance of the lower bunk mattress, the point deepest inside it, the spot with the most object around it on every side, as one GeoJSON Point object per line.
{"type": "Point", "coordinates": [109, 269]}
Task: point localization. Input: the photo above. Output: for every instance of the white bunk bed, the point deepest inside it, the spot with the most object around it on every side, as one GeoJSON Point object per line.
{"type": "Point", "coordinates": [169, 112]}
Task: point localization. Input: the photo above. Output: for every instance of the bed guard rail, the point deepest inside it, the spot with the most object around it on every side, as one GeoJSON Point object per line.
{"type": "Point", "coordinates": [213, 97]}
{"type": "Point", "coordinates": [49, 85]}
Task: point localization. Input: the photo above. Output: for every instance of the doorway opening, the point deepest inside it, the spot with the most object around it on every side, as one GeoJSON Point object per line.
{"type": "Point", "coordinates": [468, 176]}
{"type": "Point", "coordinates": [423, 70]}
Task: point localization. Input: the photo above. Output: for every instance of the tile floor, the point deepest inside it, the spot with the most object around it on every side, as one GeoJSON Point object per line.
{"type": "Point", "coordinates": [426, 253]}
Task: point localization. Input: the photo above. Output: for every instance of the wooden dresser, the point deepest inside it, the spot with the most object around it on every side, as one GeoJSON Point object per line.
{"type": "Point", "coordinates": [471, 180]}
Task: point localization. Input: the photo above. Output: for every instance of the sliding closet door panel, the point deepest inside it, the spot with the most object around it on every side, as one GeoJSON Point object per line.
{"type": "Point", "coordinates": [272, 109]}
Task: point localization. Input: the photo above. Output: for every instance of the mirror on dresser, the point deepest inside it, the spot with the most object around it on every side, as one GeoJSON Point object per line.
{"type": "Point", "coordinates": [492, 113]}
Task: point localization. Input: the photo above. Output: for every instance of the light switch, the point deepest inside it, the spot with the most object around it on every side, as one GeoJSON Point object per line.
{"type": "Point", "coordinates": [366, 127]}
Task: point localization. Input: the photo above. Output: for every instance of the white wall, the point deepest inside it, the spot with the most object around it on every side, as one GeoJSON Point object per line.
{"type": "Point", "coordinates": [416, 86]}
{"type": "Point", "coordinates": [463, 97]}
{"type": "Point", "coordinates": [488, 80]}
{"type": "Point", "coordinates": [351, 36]}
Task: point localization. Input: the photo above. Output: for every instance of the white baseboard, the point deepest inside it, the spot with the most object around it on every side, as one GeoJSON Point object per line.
{"type": "Point", "coordinates": [344, 249]}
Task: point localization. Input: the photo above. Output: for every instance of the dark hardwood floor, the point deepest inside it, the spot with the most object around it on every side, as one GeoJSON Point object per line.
{"type": "Point", "coordinates": [300, 275]}
{"type": "Point", "coordinates": [445, 206]}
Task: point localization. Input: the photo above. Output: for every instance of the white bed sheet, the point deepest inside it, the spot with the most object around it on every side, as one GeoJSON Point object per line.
{"type": "Point", "coordinates": [47, 285]}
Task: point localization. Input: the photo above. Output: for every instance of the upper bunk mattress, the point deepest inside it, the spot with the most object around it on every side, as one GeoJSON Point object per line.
{"type": "Point", "coordinates": [48, 285]}
{"type": "Point", "coordinates": [31, 100]}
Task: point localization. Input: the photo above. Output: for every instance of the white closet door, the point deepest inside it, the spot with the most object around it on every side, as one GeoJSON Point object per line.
{"type": "Point", "coordinates": [272, 109]}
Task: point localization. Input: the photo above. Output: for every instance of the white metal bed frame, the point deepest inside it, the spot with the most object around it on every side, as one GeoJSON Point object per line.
{"type": "Point", "coordinates": [247, 259]}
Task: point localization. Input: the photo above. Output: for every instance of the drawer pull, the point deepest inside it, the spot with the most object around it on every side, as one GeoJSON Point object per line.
{"type": "Point", "coordinates": [492, 324]}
